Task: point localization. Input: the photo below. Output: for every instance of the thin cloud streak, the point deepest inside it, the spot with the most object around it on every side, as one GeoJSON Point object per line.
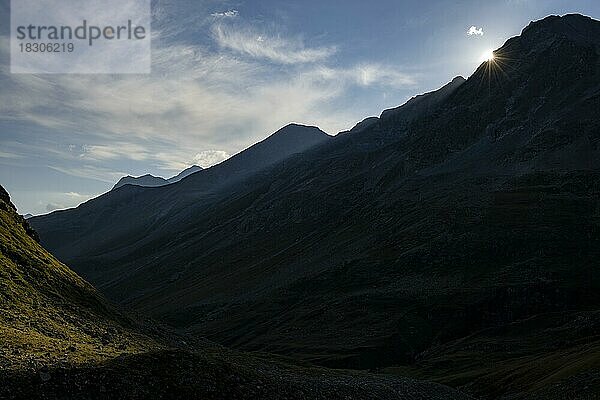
{"type": "Point", "coordinates": [273, 48]}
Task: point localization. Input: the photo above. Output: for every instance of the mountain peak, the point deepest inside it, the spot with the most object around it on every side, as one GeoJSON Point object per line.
{"type": "Point", "coordinates": [185, 173]}
{"type": "Point", "coordinates": [5, 197]}
{"type": "Point", "coordinates": [362, 125]}
{"type": "Point", "coordinates": [576, 27]}
{"type": "Point", "coordinates": [457, 80]}
{"type": "Point", "coordinates": [295, 128]}
{"type": "Point", "coordinates": [294, 136]}
{"type": "Point", "coordinates": [7, 205]}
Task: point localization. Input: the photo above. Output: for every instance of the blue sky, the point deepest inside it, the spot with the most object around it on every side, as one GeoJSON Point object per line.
{"type": "Point", "coordinates": [226, 74]}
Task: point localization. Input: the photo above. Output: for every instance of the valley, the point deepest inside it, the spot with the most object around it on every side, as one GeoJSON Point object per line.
{"type": "Point", "coordinates": [446, 249]}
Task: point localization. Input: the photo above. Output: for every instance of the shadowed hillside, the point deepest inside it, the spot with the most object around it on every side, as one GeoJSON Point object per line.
{"type": "Point", "coordinates": [60, 339]}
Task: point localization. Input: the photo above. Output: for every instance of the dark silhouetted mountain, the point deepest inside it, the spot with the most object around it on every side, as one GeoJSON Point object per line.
{"type": "Point", "coordinates": [144, 180]}
{"type": "Point", "coordinates": [185, 173]}
{"type": "Point", "coordinates": [155, 181]}
{"type": "Point", "coordinates": [126, 215]}
{"type": "Point", "coordinates": [362, 125]}
{"type": "Point", "coordinates": [61, 339]}
{"type": "Point", "coordinates": [287, 141]}
{"type": "Point", "coordinates": [421, 105]}
{"type": "Point", "coordinates": [456, 217]}
{"type": "Point", "coordinates": [27, 216]}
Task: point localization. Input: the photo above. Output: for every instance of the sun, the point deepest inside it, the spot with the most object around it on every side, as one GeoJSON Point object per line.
{"type": "Point", "coordinates": [488, 55]}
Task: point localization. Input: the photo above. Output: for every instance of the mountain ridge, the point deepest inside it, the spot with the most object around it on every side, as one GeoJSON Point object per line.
{"type": "Point", "coordinates": [149, 180]}
{"type": "Point", "coordinates": [125, 202]}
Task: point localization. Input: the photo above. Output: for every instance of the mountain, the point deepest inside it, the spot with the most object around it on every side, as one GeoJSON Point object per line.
{"type": "Point", "coordinates": [27, 216]}
{"type": "Point", "coordinates": [185, 173]}
{"type": "Point", "coordinates": [144, 180]}
{"type": "Point", "coordinates": [289, 140]}
{"type": "Point", "coordinates": [422, 243]}
{"type": "Point", "coordinates": [362, 125]}
{"type": "Point", "coordinates": [155, 181]}
{"type": "Point", "coordinates": [130, 216]}
{"type": "Point", "coordinates": [421, 105]}
{"type": "Point", "coordinates": [61, 339]}
{"type": "Point", "coordinates": [418, 106]}
{"type": "Point", "coordinates": [46, 306]}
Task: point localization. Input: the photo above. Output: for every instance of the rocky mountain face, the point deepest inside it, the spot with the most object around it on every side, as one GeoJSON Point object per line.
{"type": "Point", "coordinates": [61, 339]}
{"type": "Point", "coordinates": [444, 225]}
{"type": "Point", "coordinates": [155, 181]}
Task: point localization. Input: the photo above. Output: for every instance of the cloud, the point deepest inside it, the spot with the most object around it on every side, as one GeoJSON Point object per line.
{"type": "Point", "coordinates": [194, 101]}
{"type": "Point", "coordinates": [4, 154]}
{"type": "Point", "coordinates": [227, 14]}
{"type": "Point", "coordinates": [87, 171]}
{"type": "Point", "coordinates": [114, 151]}
{"type": "Point", "coordinates": [474, 31]}
{"type": "Point", "coordinates": [208, 158]}
{"type": "Point", "coordinates": [364, 75]}
{"type": "Point", "coordinates": [198, 98]}
{"type": "Point", "coordinates": [273, 48]}
{"type": "Point", "coordinates": [54, 206]}
{"type": "Point", "coordinates": [66, 200]}
{"type": "Point", "coordinates": [375, 74]}
{"type": "Point", "coordinates": [76, 195]}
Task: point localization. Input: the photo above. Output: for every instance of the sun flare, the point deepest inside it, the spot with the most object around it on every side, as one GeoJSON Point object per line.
{"type": "Point", "coordinates": [488, 55]}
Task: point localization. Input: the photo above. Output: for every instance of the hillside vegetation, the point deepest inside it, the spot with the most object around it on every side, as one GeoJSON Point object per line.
{"type": "Point", "coordinates": [60, 339]}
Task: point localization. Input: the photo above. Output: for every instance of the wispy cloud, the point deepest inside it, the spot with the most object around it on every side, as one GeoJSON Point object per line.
{"type": "Point", "coordinates": [364, 75]}
{"type": "Point", "coordinates": [87, 171]}
{"type": "Point", "coordinates": [475, 31]}
{"type": "Point", "coordinates": [203, 101]}
{"type": "Point", "coordinates": [226, 14]}
{"type": "Point", "coordinates": [114, 151]}
{"type": "Point", "coordinates": [273, 48]}
{"type": "Point", "coordinates": [76, 195]}
{"type": "Point", "coordinates": [54, 206]}
{"type": "Point", "coordinates": [60, 201]}
{"type": "Point", "coordinates": [13, 156]}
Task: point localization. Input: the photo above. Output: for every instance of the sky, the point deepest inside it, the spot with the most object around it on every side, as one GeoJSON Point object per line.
{"type": "Point", "coordinates": [226, 74]}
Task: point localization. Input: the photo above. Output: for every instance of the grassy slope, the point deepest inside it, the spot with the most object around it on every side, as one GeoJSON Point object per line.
{"type": "Point", "coordinates": [545, 356]}
{"type": "Point", "coordinates": [47, 313]}
{"type": "Point", "coordinates": [60, 339]}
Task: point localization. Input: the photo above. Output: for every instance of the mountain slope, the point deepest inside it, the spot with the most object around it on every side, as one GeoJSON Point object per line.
{"type": "Point", "coordinates": [553, 356]}
{"type": "Point", "coordinates": [421, 105]}
{"type": "Point", "coordinates": [47, 307]}
{"type": "Point", "coordinates": [479, 212]}
{"type": "Point", "coordinates": [60, 339]}
{"type": "Point", "coordinates": [116, 221]}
